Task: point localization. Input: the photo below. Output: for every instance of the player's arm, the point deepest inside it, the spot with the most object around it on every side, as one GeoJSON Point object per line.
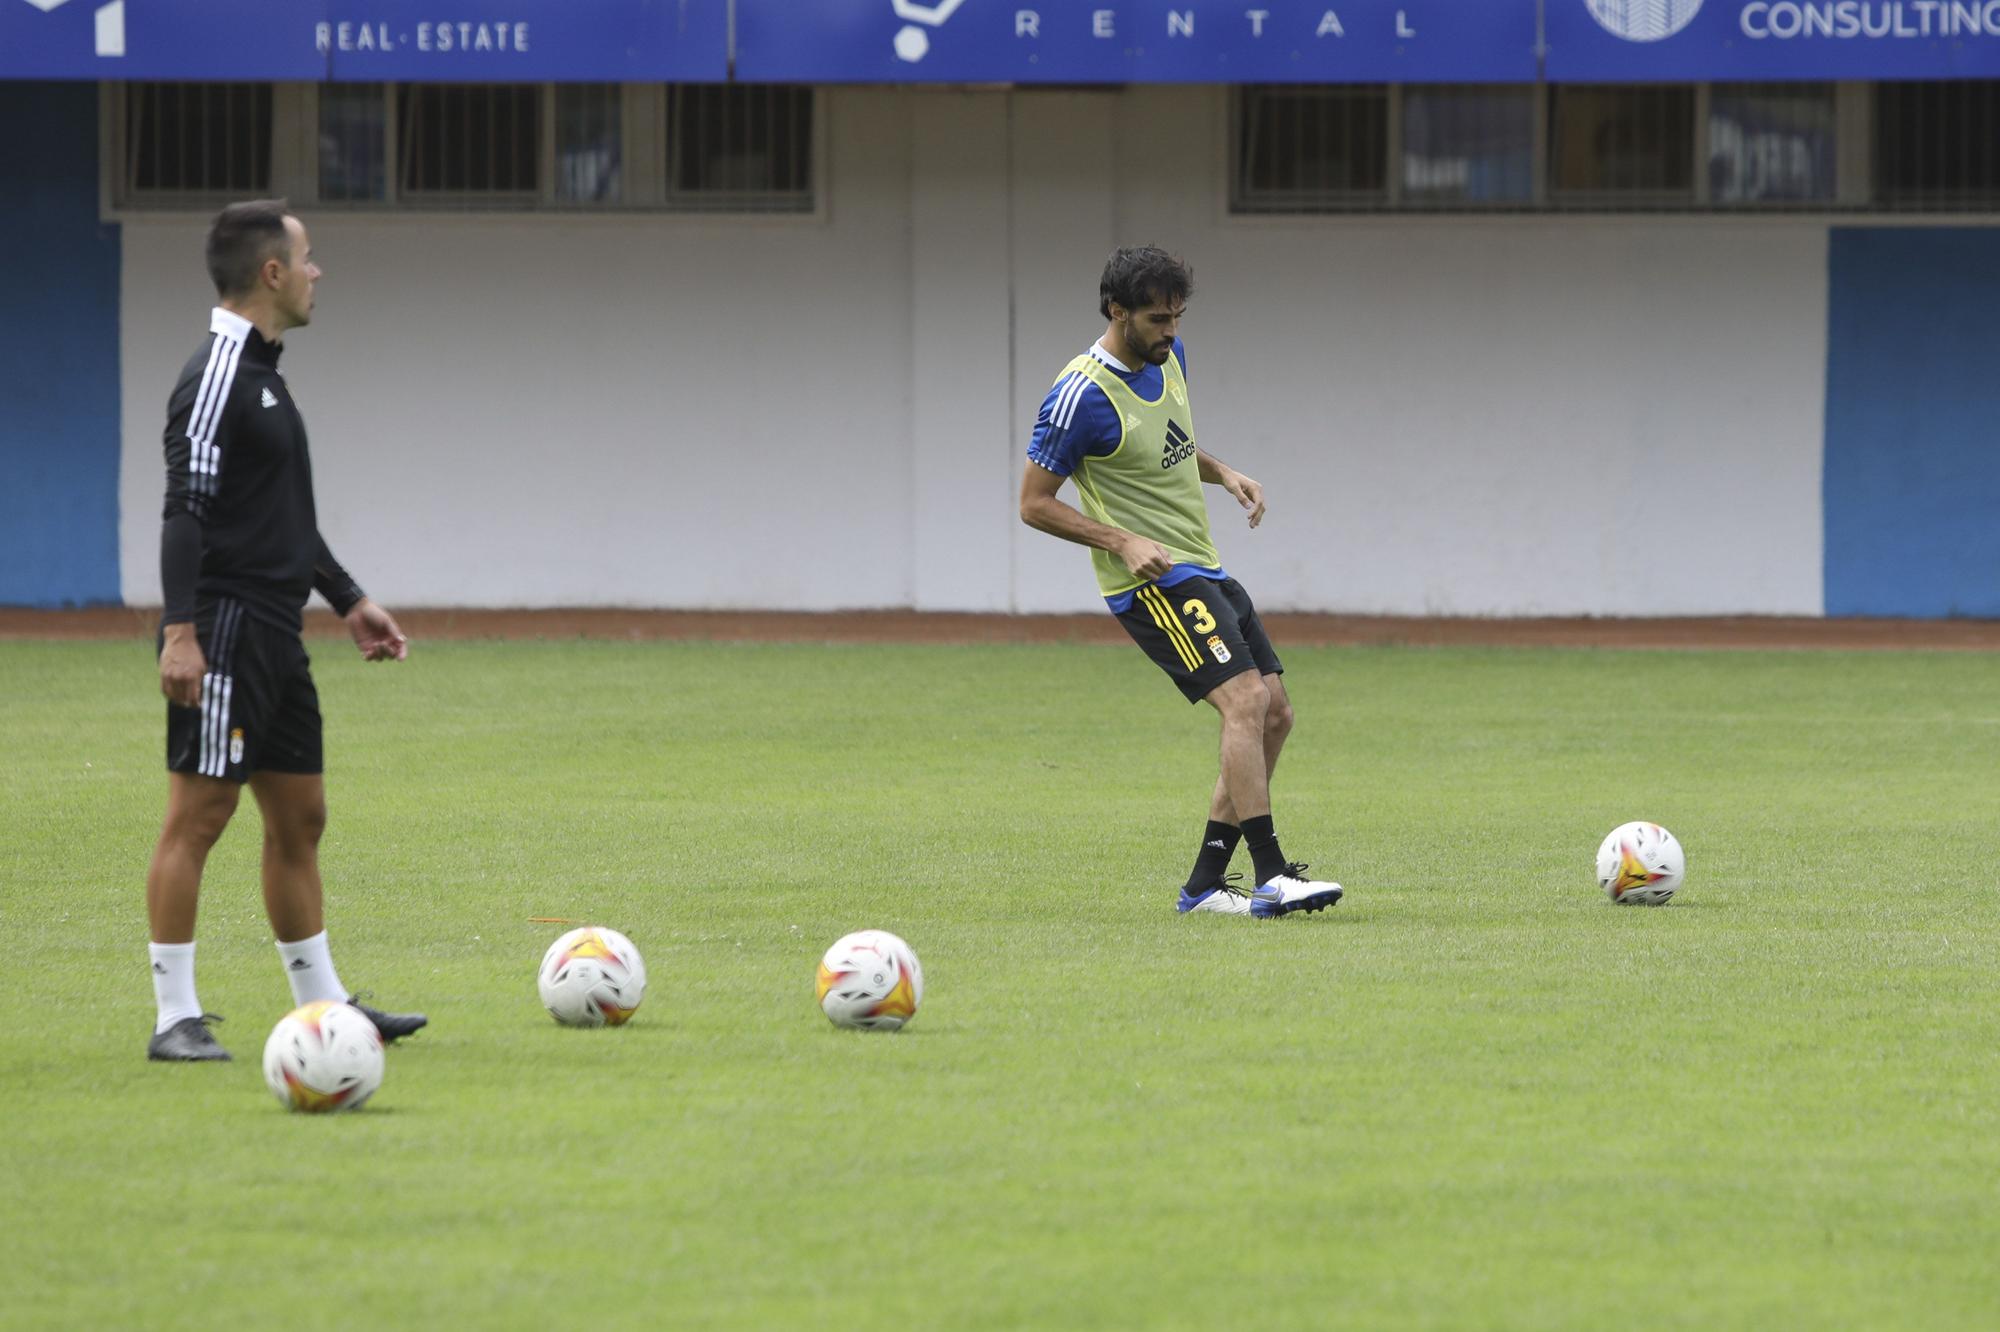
{"type": "Point", "coordinates": [1248, 493]}
{"type": "Point", "coordinates": [1076, 421]}
{"type": "Point", "coordinates": [181, 662]}
{"type": "Point", "coordinates": [373, 629]}
{"type": "Point", "coordinates": [1041, 510]}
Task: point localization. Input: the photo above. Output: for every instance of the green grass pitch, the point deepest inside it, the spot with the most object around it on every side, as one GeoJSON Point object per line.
{"type": "Point", "coordinates": [1474, 1095]}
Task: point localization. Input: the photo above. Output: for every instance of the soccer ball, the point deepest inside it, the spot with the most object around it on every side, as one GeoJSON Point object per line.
{"type": "Point", "coordinates": [870, 979]}
{"type": "Point", "coordinates": [1640, 864]}
{"type": "Point", "coordinates": [322, 1057]}
{"type": "Point", "coordinates": [592, 977]}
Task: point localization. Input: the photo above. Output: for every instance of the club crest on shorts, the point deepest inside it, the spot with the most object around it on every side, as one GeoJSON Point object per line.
{"type": "Point", "coordinates": [1218, 649]}
{"type": "Point", "coordinates": [236, 745]}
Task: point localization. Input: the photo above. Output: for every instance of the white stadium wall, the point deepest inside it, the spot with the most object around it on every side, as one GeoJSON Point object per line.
{"type": "Point", "coordinates": [1536, 415]}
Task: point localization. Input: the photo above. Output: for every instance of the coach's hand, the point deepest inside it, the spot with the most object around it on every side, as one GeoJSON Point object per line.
{"type": "Point", "coordinates": [1146, 558]}
{"type": "Point", "coordinates": [1248, 493]}
{"type": "Point", "coordinates": [376, 633]}
{"type": "Point", "coordinates": [182, 666]}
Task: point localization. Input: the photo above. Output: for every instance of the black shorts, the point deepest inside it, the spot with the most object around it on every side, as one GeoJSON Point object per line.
{"type": "Point", "coordinates": [1200, 633]}
{"type": "Point", "coordinates": [258, 711]}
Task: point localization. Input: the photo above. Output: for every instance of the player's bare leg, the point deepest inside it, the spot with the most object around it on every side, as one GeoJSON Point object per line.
{"type": "Point", "coordinates": [1246, 703]}
{"type": "Point", "coordinates": [294, 809]}
{"type": "Point", "coordinates": [198, 810]}
{"type": "Point", "coordinates": [1278, 719]}
{"type": "Point", "coordinates": [1208, 878]}
{"type": "Point", "coordinates": [1245, 781]}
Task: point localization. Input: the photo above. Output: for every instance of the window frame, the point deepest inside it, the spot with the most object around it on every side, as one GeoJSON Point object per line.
{"type": "Point", "coordinates": [1427, 203]}
{"type": "Point", "coordinates": [294, 171]}
{"type": "Point", "coordinates": [1705, 146]}
{"type": "Point", "coordinates": [295, 167]}
{"type": "Point", "coordinates": [1339, 202]}
{"type": "Point", "coordinates": [538, 195]}
{"type": "Point", "coordinates": [1853, 201]}
{"type": "Point", "coordinates": [1694, 150]}
{"type": "Point", "coordinates": [114, 170]}
{"type": "Point", "coordinates": [1919, 200]}
{"type": "Point", "coordinates": [730, 202]}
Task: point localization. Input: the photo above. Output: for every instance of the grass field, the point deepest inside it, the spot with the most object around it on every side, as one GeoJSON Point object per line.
{"type": "Point", "coordinates": [1474, 1095]}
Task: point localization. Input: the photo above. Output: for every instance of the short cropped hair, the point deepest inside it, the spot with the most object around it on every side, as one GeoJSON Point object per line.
{"type": "Point", "coordinates": [1139, 275]}
{"type": "Point", "coordinates": [242, 237]}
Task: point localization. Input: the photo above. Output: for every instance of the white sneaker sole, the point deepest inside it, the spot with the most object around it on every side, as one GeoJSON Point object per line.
{"type": "Point", "coordinates": [1266, 910]}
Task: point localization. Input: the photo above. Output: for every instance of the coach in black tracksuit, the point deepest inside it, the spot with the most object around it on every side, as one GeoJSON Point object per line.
{"type": "Point", "coordinates": [240, 551]}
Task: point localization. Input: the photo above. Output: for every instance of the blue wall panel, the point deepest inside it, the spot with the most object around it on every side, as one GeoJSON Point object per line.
{"type": "Point", "coordinates": [1913, 422]}
{"type": "Point", "coordinates": [59, 440]}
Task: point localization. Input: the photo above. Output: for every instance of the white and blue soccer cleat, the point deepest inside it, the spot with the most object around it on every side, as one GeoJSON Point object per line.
{"type": "Point", "coordinates": [1224, 899]}
{"type": "Point", "coordinates": [1292, 891]}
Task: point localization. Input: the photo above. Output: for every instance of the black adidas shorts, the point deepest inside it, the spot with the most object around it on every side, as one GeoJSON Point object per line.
{"type": "Point", "coordinates": [1200, 633]}
{"type": "Point", "coordinates": [259, 710]}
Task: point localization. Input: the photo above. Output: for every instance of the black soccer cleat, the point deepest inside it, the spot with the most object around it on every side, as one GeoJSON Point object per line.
{"type": "Point", "coordinates": [390, 1026]}
{"type": "Point", "coordinates": [187, 1042]}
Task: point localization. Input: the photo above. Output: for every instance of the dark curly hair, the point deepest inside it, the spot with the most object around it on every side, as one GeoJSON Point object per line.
{"type": "Point", "coordinates": [1139, 275]}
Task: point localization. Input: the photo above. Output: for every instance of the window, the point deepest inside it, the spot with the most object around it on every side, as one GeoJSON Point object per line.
{"type": "Point", "coordinates": [469, 142]}
{"type": "Point", "coordinates": [740, 147]}
{"type": "Point", "coordinates": [1621, 146]}
{"type": "Point", "coordinates": [589, 143]}
{"type": "Point", "coordinates": [1723, 147]}
{"type": "Point", "coordinates": [196, 142]}
{"type": "Point", "coordinates": [353, 143]}
{"type": "Point", "coordinates": [1771, 143]}
{"type": "Point", "coordinates": [1311, 149]}
{"type": "Point", "coordinates": [1937, 145]}
{"type": "Point", "coordinates": [1478, 147]}
{"type": "Point", "coordinates": [1467, 146]}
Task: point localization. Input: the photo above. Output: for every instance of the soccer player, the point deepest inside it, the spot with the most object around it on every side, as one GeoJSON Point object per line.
{"type": "Point", "coordinates": [1118, 421]}
{"type": "Point", "coordinates": [240, 551]}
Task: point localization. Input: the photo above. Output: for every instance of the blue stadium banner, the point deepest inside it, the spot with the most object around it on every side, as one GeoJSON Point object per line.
{"type": "Point", "coordinates": [389, 40]}
{"type": "Point", "coordinates": [1757, 40]}
{"type": "Point", "coordinates": [577, 41]}
{"type": "Point", "coordinates": [1135, 41]}
{"type": "Point", "coordinates": [160, 39]}
{"type": "Point", "coordinates": [1000, 41]}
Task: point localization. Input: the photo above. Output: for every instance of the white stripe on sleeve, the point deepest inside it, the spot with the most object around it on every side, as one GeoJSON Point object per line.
{"type": "Point", "coordinates": [204, 461]}
{"type": "Point", "coordinates": [1066, 405]}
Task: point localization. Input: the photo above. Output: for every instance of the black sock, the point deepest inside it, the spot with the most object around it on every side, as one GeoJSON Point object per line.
{"type": "Point", "coordinates": [1218, 844]}
{"type": "Point", "coordinates": [1265, 857]}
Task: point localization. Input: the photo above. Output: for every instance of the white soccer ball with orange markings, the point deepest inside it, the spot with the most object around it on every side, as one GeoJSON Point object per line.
{"type": "Point", "coordinates": [322, 1057]}
{"type": "Point", "coordinates": [1640, 864]}
{"type": "Point", "coordinates": [592, 977]}
{"type": "Point", "coordinates": [870, 979]}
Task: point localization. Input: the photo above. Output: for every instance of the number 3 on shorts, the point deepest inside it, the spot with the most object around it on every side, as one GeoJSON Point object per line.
{"type": "Point", "coordinates": [1197, 611]}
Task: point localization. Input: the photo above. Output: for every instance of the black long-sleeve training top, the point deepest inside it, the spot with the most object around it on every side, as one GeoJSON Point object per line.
{"type": "Point", "coordinates": [239, 520]}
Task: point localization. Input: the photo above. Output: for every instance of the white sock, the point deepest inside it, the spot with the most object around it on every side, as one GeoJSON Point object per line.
{"type": "Point", "coordinates": [309, 967]}
{"type": "Point", "coordinates": [173, 983]}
